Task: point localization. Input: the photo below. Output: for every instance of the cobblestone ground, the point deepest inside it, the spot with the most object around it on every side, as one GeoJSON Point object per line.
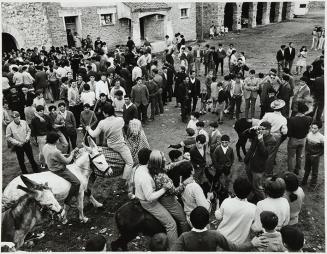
{"type": "Point", "coordinates": [260, 46]}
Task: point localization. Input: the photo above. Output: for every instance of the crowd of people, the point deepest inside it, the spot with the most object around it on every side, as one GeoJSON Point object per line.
{"type": "Point", "coordinates": [52, 94]}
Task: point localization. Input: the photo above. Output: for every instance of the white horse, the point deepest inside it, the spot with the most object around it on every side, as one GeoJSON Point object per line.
{"type": "Point", "coordinates": [89, 159]}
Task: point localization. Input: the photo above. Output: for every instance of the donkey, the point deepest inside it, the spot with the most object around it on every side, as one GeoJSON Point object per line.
{"type": "Point", "coordinates": [27, 211]}
{"type": "Point", "coordinates": [89, 160]}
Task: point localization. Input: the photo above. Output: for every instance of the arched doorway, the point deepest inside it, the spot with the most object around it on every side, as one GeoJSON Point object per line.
{"type": "Point", "coordinates": [245, 14]}
{"type": "Point", "coordinates": [272, 15]}
{"type": "Point", "coordinates": [284, 10]}
{"type": "Point", "coordinates": [8, 42]}
{"type": "Point", "coordinates": [259, 13]}
{"type": "Point", "coordinates": [152, 27]}
{"type": "Point", "coordinates": [229, 15]}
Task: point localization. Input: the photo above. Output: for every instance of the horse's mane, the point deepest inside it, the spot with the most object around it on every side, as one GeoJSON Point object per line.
{"type": "Point", "coordinates": [18, 214]}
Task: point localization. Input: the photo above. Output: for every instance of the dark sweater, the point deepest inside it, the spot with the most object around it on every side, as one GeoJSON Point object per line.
{"type": "Point", "coordinates": [41, 128]}
{"type": "Point", "coordinates": [208, 240]}
{"type": "Point", "coordinates": [298, 126]}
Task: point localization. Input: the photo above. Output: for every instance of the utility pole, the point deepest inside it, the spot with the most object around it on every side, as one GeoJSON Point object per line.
{"type": "Point", "coordinates": [201, 21]}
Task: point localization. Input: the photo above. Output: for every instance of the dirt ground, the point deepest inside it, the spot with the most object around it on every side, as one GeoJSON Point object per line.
{"type": "Point", "coordinates": [260, 46]}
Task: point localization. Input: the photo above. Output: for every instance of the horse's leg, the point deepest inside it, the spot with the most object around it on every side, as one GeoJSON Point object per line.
{"type": "Point", "coordinates": [88, 192]}
{"type": "Point", "coordinates": [80, 206]}
{"type": "Point", "coordinates": [64, 214]}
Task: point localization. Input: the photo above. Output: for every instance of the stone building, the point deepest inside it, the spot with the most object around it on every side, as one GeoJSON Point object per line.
{"type": "Point", "coordinates": [34, 24]}
{"type": "Point", "coordinates": [249, 14]}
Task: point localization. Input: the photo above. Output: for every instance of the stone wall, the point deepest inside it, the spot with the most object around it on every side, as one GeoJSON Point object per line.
{"type": "Point", "coordinates": [317, 5]}
{"type": "Point", "coordinates": [186, 26]}
{"type": "Point", "coordinates": [27, 23]}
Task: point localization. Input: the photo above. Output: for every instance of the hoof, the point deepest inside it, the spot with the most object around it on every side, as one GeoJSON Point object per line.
{"type": "Point", "coordinates": [84, 220]}
{"type": "Point", "coordinates": [64, 221]}
{"type": "Point", "coordinates": [98, 205]}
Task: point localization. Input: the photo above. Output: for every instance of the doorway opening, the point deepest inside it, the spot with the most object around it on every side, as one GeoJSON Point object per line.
{"type": "Point", "coordinates": [245, 14]}
{"type": "Point", "coordinates": [272, 15]}
{"type": "Point", "coordinates": [8, 42]}
{"type": "Point", "coordinates": [259, 13]}
{"type": "Point", "coordinates": [229, 16]}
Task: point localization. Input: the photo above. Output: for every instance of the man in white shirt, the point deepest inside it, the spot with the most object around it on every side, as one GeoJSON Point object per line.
{"type": "Point", "coordinates": [116, 88]}
{"type": "Point", "coordinates": [102, 86]}
{"type": "Point", "coordinates": [235, 224]}
{"type": "Point", "coordinates": [27, 77]}
{"type": "Point", "coordinates": [136, 73]}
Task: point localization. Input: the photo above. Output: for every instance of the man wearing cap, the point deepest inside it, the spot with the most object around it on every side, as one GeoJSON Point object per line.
{"type": "Point", "coordinates": [256, 158]}
{"type": "Point", "coordinates": [298, 127]}
{"type": "Point", "coordinates": [18, 134]}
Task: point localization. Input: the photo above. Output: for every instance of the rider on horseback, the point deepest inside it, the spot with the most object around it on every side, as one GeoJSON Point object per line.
{"type": "Point", "coordinates": [57, 162]}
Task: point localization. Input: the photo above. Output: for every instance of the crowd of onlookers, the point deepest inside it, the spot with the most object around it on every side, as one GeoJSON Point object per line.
{"type": "Point", "coordinates": [93, 84]}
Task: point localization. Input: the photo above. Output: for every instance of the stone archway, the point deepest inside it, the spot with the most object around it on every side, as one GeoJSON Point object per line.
{"type": "Point", "coordinates": [153, 26]}
{"type": "Point", "coordinates": [273, 13]}
{"type": "Point", "coordinates": [12, 31]}
{"type": "Point", "coordinates": [8, 42]}
{"type": "Point", "coordinates": [230, 16]}
{"type": "Point", "coordinates": [259, 13]}
{"type": "Point", "coordinates": [284, 10]}
{"type": "Point", "coordinates": [245, 14]}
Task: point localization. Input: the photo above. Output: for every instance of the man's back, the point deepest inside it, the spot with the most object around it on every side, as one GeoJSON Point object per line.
{"type": "Point", "coordinates": [207, 240]}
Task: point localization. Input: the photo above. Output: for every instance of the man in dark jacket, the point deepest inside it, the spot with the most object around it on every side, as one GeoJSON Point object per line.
{"type": "Point", "coordinates": [41, 79]}
{"type": "Point", "coordinates": [280, 57]}
{"type": "Point", "coordinates": [256, 158]}
{"type": "Point", "coordinates": [129, 111]}
{"type": "Point", "coordinates": [195, 89]}
{"type": "Point", "coordinates": [219, 59]}
{"type": "Point", "coordinates": [153, 89]}
{"type": "Point", "coordinates": [289, 56]}
{"type": "Point", "coordinates": [179, 78]}
{"type": "Point", "coordinates": [206, 59]}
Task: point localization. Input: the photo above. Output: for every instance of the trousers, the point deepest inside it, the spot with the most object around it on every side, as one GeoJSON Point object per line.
{"type": "Point", "coordinates": [295, 149]}
{"type": "Point", "coordinates": [161, 214]}
{"type": "Point", "coordinates": [125, 153]}
{"type": "Point", "coordinates": [41, 140]}
{"type": "Point", "coordinates": [27, 149]}
{"type": "Point", "coordinates": [75, 183]}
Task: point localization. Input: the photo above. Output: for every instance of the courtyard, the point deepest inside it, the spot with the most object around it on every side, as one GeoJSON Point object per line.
{"type": "Point", "coordinates": [260, 45]}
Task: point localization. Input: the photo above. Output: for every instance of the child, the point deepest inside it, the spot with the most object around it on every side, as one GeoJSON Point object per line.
{"type": "Point", "coordinates": [214, 94]}
{"type": "Point", "coordinates": [64, 89]}
{"type": "Point", "coordinates": [227, 87]}
{"type": "Point", "coordinates": [194, 119]}
{"type": "Point", "coordinates": [294, 195]}
{"type": "Point", "coordinates": [96, 243]}
{"type": "Point", "coordinates": [293, 238]}
{"type": "Point", "coordinates": [269, 221]}
{"type": "Point", "coordinates": [201, 239]}
{"type": "Point", "coordinates": [39, 100]}
{"type": "Point", "coordinates": [118, 103]}
{"type": "Point", "coordinates": [215, 135]}
{"type": "Point", "coordinates": [220, 106]}
{"type": "Point", "coordinates": [186, 143]}
{"type": "Point", "coordinates": [200, 130]}
{"type": "Point", "coordinates": [223, 159]}
{"type": "Point", "coordinates": [314, 149]}
{"type": "Point", "coordinates": [87, 118]}
{"type": "Point", "coordinates": [226, 30]}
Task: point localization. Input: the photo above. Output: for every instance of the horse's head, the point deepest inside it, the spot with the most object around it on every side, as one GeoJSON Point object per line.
{"type": "Point", "coordinates": [41, 193]}
{"type": "Point", "coordinates": [97, 160]}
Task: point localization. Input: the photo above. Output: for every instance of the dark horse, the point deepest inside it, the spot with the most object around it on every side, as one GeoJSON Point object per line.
{"type": "Point", "coordinates": [132, 219]}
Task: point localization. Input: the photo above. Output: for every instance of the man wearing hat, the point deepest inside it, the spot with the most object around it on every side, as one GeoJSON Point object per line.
{"type": "Point", "coordinates": [202, 239]}
{"type": "Point", "coordinates": [18, 133]}
{"type": "Point", "coordinates": [298, 127]}
{"type": "Point", "coordinates": [275, 118]}
{"type": "Point", "coordinates": [256, 159]}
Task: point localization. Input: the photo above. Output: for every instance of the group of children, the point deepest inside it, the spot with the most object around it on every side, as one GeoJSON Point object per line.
{"type": "Point", "coordinates": [216, 31]}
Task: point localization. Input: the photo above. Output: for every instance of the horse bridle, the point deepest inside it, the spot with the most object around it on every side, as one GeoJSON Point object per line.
{"type": "Point", "coordinates": [93, 165]}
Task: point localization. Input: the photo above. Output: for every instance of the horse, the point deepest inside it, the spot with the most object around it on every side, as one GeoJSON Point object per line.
{"type": "Point", "coordinates": [27, 211]}
{"type": "Point", "coordinates": [89, 160]}
{"type": "Point", "coordinates": [131, 219]}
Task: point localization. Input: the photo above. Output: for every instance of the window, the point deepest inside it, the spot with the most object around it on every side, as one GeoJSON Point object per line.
{"type": "Point", "coordinates": [107, 19]}
{"type": "Point", "coordinates": [184, 13]}
{"type": "Point", "coordinates": [303, 5]}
